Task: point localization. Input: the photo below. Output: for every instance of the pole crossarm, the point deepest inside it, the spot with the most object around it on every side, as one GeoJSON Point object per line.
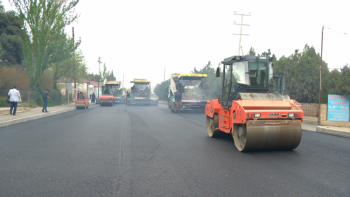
{"type": "Point", "coordinates": [249, 14]}
{"type": "Point", "coordinates": [240, 34]}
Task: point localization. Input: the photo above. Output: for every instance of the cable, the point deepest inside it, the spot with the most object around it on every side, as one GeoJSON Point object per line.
{"type": "Point", "coordinates": [338, 32]}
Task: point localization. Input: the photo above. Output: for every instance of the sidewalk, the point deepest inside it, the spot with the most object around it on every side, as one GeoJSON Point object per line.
{"type": "Point", "coordinates": [24, 115]}
{"type": "Point", "coordinates": [338, 131]}
{"type": "Point", "coordinates": [6, 110]}
{"type": "Point", "coordinates": [310, 123]}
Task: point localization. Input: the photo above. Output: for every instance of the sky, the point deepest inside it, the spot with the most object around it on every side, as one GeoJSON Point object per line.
{"type": "Point", "coordinates": [141, 39]}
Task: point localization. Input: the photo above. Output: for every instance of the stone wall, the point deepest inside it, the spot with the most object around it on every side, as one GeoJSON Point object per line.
{"type": "Point", "coordinates": [323, 119]}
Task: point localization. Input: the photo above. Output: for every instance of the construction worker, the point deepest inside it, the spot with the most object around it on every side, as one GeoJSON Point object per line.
{"type": "Point", "coordinates": [93, 97]}
{"type": "Point", "coordinates": [178, 98]}
{"type": "Point", "coordinates": [127, 97]}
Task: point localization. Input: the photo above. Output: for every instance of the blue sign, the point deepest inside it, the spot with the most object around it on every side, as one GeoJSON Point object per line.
{"type": "Point", "coordinates": [338, 108]}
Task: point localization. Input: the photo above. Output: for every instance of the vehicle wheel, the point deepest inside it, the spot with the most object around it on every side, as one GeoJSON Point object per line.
{"type": "Point", "coordinates": [239, 136]}
{"type": "Point", "coordinates": [212, 125]}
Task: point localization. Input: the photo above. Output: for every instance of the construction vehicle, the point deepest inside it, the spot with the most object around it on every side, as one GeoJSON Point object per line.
{"type": "Point", "coordinates": [109, 90]}
{"type": "Point", "coordinates": [117, 91]}
{"type": "Point", "coordinates": [81, 101]}
{"type": "Point", "coordinates": [140, 92]}
{"type": "Point", "coordinates": [190, 87]}
{"type": "Point", "coordinates": [252, 106]}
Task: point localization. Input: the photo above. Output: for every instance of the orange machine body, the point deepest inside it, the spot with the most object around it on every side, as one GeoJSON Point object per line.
{"type": "Point", "coordinates": [106, 99]}
{"type": "Point", "coordinates": [81, 101]}
{"type": "Point", "coordinates": [243, 110]}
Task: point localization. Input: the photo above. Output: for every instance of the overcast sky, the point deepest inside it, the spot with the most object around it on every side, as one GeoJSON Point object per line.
{"type": "Point", "coordinates": [140, 38]}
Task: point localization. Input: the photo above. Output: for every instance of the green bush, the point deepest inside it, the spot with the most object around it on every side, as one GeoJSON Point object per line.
{"type": "Point", "coordinates": [39, 98]}
{"type": "Point", "coordinates": [31, 104]}
{"type": "Point", "coordinates": [3, 102]}
{"type": "Point", "coordinates": [55, 97]}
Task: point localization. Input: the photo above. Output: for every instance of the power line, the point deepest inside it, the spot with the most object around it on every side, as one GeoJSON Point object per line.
{"type": "Point", "coordinates": [345, 35]}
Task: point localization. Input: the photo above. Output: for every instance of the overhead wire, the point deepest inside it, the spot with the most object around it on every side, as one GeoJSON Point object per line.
{"type": "Point", "coordinates": [345, 35]}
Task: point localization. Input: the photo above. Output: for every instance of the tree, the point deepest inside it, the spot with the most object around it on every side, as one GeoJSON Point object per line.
{"type": "Point", "coordinates": [161, 90]}
{"type": "Point", "coordinates": [251, 51]}
{"type": "Point", "coordinates": [338, 82]}
{"type": "Point", "coordinates": [11, 38]}
{"type": "Point", "coordinates": [64, 62]}
{"type": "Point", "coordinates": [92, 77]}
{"type": "Point", "coordinates": [110, 76]}
{"type": "Point", "coordinates": [11, 76]}
{"type": "Point", "coordinates": [44, 23]}
{"type": "Point", "coordinates": [302, 79]}
{"type": "Point", "coordinates": [103, 74]}
{"type": "Point", "coordinates": [77, 62]}
{"type": "Point", "coordinates": [268, 53]}
{"type": "Point", "coordinates": [2, 9]}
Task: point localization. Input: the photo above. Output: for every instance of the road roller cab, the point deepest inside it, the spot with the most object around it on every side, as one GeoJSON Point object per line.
{"type": "Point", "coordinates": [253, 107]}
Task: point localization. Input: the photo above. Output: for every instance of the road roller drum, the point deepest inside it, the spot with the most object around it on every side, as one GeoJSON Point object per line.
{"type": "Point", "coordinates": [268, 135]}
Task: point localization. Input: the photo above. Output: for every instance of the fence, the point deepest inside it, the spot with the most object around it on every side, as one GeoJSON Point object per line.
{"type": "Point", "coordinates": [28, 97]}
{"type": "Point", "coordinates": [310, 109]}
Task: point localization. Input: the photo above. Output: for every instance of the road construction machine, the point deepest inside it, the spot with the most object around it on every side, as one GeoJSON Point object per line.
{"type": "Point", "coordinates": [140, 92]}
{"type": "Point", "coordinates": [117, 91]}
{"type": "Point", "coordinates": [191, 92]}
{"type": "Point", "coordinates": [110, 92]}
{"type": "Point", "coordinates": [253, 108]}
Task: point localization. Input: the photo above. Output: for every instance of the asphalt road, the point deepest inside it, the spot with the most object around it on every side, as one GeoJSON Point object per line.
{"type": "Point", "coordinates": [149, 151]}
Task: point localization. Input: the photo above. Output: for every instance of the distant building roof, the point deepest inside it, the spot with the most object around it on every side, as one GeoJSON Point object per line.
{"type": "Point", "coordinates": [71, 80]}
{"type": "Point", "coordinates": [95, 83]}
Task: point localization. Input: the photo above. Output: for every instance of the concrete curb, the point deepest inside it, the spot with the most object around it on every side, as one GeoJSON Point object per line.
{"type": "Point", "coordinates": [331, 131]}
{"type": "Point", "coordinates": [41, 115]}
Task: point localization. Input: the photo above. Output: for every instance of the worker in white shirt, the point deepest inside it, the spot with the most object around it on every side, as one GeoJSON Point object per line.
{"type": "Point", "coordinates": [15, 98]}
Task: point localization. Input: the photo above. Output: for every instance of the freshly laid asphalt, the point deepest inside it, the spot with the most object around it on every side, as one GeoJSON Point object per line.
{"type": "Point", "coordinates": [149, 151]}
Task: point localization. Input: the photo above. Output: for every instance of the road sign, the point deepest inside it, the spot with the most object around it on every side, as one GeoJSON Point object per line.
{"type": "Point", "coordinates": [338, 108]}
{"type": "Point", "coordinates": [68, 86]}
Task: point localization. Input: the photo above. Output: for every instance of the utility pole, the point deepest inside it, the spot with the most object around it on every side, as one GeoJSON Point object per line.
{"type": "Point", "coordinates": [123, 81]}
{"type": "Point", "coordinates": [164, 74]}
{"type": "Point", "coordinates": [319, 93]}
{"type": "Point", "coordinates": [99, 77]}
{"type": "Point", "coordinates": [240, 34]}
{"type": "Point", "coordinates": [75, 84]}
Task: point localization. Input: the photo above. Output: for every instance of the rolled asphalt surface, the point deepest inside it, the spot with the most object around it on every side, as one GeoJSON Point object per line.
{"type": "Point", "coordinates": [25, 114]}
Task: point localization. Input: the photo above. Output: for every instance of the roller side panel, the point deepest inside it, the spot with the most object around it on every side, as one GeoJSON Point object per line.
{"type": "Point", "coordinates": [212, 107]}
{"type": "Point", "coordinates": [225, 120]}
